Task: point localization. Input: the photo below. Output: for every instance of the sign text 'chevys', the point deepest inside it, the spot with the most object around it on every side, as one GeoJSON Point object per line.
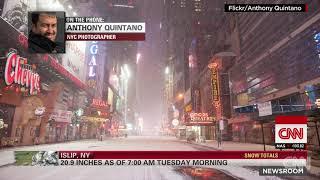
{"type": "Point", "coordinates": [17, 71]}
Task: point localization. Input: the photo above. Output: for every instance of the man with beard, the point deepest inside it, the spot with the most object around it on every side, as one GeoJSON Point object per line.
{"type": "Point", "coordinates": [42, 37]}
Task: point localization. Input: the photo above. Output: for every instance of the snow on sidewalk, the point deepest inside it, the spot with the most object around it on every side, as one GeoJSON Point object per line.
{"type": "Point", "coordinates": [237, 146]}
{"type": "Point", "coordinates": [6, 157]}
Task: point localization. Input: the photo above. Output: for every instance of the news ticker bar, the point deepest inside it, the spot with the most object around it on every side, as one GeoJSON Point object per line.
{"type": "Point", "coordinates": [182, 154]}
{"type": "Point", "coordinates": [162, 158]}
{"type": "Point", "coordinates": [184, 162]}
{"type": "Point", "coordinates": [266, 7]}
{"type": "Point", "coordinates": [183, 158]}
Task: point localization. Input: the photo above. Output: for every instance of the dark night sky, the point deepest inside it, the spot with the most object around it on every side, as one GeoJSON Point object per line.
{"type": "Point", "coordinates": [150, 69]}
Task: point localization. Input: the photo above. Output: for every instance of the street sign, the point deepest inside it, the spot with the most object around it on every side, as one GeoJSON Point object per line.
{"type": "Point", "coordinates": [221, 125]}
{"type": "Point", "coordinates": [265, 108]}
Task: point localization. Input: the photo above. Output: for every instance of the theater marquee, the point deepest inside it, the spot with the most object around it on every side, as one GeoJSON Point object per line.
{"type": "Point", "coordinates": [198, 119]}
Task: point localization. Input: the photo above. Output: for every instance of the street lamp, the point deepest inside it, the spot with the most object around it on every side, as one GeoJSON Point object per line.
{"type": "Point", "coordinates": [138, 57]}
{"type": "Point", "coordinates": [127, 71]}
{"type": "Point", "coordinates": [167, 70]}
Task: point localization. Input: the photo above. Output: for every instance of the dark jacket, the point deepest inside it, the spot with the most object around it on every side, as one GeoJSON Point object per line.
{"type": "Point", "coordinates": [41, 44]}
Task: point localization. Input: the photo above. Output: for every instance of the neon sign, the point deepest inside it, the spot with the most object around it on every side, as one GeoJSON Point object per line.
{"type": "Point", "coordinates": [19, 72]}
{"type": "Point", "coordinates": [200, 118]}
{"type": "Point", "coordinates": [99, 103]}
{"type": "Point", "coordinates": [93, 49]}
{"type": "Point", "coordinates": [215, 84]}
{"type": "Point", "coordinates": [93, 61]}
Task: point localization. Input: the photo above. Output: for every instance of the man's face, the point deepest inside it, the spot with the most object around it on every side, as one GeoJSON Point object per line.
{"type": "Point", "coordinates": [46, 26]}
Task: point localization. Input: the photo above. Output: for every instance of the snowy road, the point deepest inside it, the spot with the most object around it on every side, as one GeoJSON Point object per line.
{"type": "Point", "coordinates": [142, 143]}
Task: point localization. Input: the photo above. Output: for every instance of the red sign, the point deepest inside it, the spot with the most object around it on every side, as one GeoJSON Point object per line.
{"type": "Point", "coordinates": [291, 129]}
{"type": "Point", "coordinates": [17, 71]}
{"type": "Point", "coordinates": [99, 103]}
{"type": "Point", "coordinates": [103, 114]}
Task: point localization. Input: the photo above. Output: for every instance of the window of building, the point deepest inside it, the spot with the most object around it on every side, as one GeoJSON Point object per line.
{"type": "Point", "coordinates": [291, 103]}
{"type": "Point", "coordinates": [294, 63]}
{"type": "Point", "coordinates": [183, 3]}
{"type": "Point", "coordinates": [242, 99]}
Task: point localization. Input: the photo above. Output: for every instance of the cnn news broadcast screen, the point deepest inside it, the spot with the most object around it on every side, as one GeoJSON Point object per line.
{"type": "Point", "coordinates": [159, 89]}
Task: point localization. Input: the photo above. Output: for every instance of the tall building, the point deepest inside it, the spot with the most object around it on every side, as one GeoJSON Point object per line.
{"type": "Point", "coordinates": [197, 36]}
{"type": "Point", "coordinates": [123, 55]}
{"type": "Point", "coordinates": [174, 31]}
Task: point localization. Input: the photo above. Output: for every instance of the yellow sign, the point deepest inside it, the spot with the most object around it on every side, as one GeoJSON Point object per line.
{"type": "Point", "coordinates": [94, 119]}
{"type": "Point", "coordinates": [215, 84]}
{"type": "Point", "coordinates": [200, 119]}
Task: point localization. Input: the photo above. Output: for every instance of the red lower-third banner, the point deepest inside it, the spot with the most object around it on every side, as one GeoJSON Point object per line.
{"type": "Point", "coordinates": [182, 154]}
{"type": "Point", "coordinates": [162, 158]}
{"type": "Point", "coordinates": [105, 36]}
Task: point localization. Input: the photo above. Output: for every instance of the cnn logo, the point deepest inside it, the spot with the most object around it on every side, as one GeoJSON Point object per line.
{"type": "Point", "coordinates": [287, 133]}
{"type": "Point", "coordinates": [290, 131]}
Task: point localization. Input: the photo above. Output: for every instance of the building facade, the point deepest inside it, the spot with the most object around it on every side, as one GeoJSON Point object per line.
{"type": "Point", "coordinates": [45, 116]}
{"type": "Point", "coordinates": [282, 70]}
